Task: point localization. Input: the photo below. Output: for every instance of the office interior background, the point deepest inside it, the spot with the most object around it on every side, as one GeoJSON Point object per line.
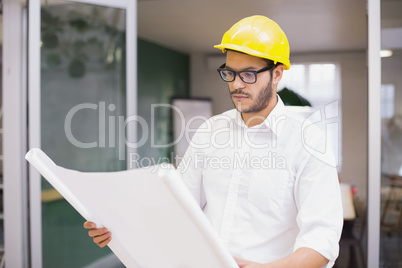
{"type": "Point", "coordinates": [124, 56]}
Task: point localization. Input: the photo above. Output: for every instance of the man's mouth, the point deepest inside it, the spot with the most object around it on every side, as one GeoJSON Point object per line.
{"type": "Point", "coordinates": [239, 96]}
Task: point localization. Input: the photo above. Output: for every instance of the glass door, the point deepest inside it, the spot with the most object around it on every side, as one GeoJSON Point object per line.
{"type": "Point", "coordinates": [81, 90]}
{"type": "Point", "coordinates": [391, 134]}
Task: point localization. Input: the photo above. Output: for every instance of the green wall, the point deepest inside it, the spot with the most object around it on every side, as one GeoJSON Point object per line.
{"type": "Point", "coordinates": [162, 73]}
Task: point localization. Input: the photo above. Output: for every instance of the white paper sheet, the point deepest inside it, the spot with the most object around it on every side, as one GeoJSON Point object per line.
{"type": "Point", "coordinates": [154, 220]}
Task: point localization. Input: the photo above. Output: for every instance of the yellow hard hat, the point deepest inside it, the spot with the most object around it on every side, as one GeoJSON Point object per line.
{"type": "Point", "coordinates": [258, 36]}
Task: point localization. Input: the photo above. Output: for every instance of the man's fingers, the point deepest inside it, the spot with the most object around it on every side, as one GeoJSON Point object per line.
{"type": "Point", "coordinates": [100, 238]}
{"type": "Point", "coordinates": [105, 242]}
{"type": "Point", "coordinates": [97, 232]}
{"type": "Point", "coordinates": [89, 225]}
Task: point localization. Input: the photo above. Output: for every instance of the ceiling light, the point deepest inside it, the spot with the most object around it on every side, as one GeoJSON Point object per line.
{"type": "Point", "coordinates": [385, 53]}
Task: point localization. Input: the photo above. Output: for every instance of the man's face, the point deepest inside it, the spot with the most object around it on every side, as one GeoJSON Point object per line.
{"type": "Point", "coordinates": [249, 98]}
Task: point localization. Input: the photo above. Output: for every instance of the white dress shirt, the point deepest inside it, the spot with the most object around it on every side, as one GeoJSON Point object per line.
{"type": "Point", "coordinates": [269, 189]}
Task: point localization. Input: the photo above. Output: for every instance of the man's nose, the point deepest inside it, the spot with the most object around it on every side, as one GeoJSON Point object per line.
{"type": "Point", "coordinates": [238, 83]}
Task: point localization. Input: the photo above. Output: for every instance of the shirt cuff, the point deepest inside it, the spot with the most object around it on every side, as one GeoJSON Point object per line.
{"type": "Point", "coordinates": [327, 248]}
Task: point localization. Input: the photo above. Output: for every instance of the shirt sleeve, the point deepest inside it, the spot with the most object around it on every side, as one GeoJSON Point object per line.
{"type": "Point", "coordinates": [318, 199]}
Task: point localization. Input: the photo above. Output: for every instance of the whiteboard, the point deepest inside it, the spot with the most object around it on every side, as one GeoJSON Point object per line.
{"type": "Point", "coordinates": [188, 115]}
{"type": "Point", "coordinates": [153, 218]}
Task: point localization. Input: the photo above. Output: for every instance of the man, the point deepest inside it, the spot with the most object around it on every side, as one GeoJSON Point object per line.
{"type": "Point", "coordinates": [271, 200]}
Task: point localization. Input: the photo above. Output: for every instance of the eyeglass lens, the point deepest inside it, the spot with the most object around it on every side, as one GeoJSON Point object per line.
{"type": "Point", "coordinates": [229, 76]}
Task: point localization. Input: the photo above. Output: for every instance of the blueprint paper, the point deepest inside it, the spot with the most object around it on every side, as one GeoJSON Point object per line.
{"type": "Point", "coordinates": [154, 220]}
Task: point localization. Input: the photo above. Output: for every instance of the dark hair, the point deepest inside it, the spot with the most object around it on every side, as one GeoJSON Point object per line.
{"type": "Point", "coordinates": [268, 61]}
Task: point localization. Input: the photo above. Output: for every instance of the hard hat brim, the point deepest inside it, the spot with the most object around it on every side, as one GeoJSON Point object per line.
{"type": "Point", "coordinates": [252, 52]}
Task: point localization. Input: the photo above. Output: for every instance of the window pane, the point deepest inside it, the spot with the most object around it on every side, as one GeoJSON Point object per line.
{"type": "Point", "coordinates": [294, 79]}
{"type": "Point", "coordinates": [322, 81]}
{"type": "Point", "coordinates": [387, 101]}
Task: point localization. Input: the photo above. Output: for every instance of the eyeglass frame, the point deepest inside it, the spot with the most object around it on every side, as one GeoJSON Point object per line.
{"type": "Point", "coordinates": [222, 68]}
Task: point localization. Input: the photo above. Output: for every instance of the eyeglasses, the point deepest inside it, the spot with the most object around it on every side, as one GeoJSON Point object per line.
{"type": "Point", "coordinates": [249, 77]}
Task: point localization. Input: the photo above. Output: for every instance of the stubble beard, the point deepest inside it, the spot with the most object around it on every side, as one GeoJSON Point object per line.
{"type": "Point", "coordinates": [260, 102]}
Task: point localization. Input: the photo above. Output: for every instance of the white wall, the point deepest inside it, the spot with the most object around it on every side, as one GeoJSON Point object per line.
{"type": "Point", "coordinates": [205, 82]}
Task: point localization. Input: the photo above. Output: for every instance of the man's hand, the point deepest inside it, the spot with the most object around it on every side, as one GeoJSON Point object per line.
{"type": "Point", "coordinates": [248, 264]}
{"type": "Point", "coordinates": [101, 236]}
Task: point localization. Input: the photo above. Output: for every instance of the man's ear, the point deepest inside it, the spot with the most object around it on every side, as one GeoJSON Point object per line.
{"type": "Point", "coordinates": [277, 74]}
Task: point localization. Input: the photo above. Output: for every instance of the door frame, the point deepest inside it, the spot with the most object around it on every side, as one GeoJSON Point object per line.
{"type": "Point", "coordinates": [14, 133]}
{"type": "Point", "coordinates": [374, 133]}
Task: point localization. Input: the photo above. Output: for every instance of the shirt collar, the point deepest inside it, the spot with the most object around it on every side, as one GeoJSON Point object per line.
{"type": "Point", "coordinates": [274, 121]}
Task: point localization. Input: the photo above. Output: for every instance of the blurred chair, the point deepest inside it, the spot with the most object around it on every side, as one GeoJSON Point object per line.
{"type": "Point", "coordinates": [391, 217]}
{"type": "Point", "coordinates": [354, 226]}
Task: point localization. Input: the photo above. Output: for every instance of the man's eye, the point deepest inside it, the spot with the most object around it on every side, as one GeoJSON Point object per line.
{"type": "Point", "coordinates": [228, 73]}
{"type": "Point", "coordinates": [248, 74]}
